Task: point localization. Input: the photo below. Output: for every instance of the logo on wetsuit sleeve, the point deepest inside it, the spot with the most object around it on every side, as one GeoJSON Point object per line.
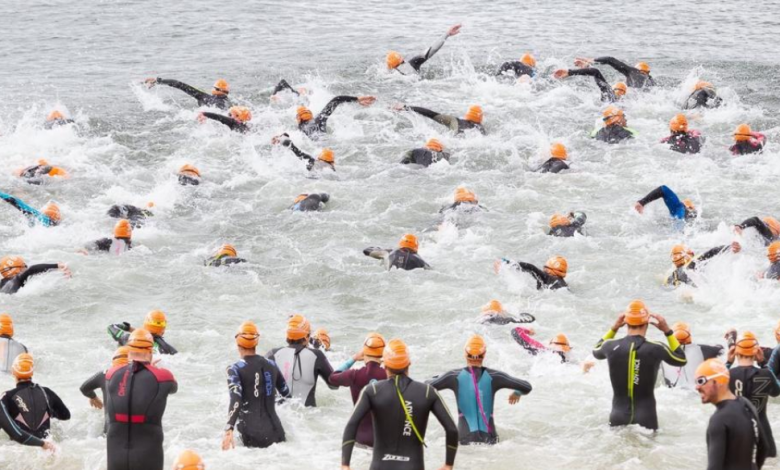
{"type": "Point", "coordinates": [395, 458]}
{"type": "Point", "coordinates": [407, 424]}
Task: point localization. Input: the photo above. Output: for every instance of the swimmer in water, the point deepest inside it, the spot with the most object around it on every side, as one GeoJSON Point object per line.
{"type": "Point", "coordinates": [98, 381]}
{"type": "Point", "coordinates": [493, 313]}
{"type": "Point", "coordinates": [567, 225]}
{"type": "Point", "coordinates": [320, 339]}
{"type": "Point", "coordinates": [637, 76]}
{"type": "Point", "coordinates": [472, 119]}
{"type": "Point", "coordinates": [772, 253]}
{"type": "Point", "coordinates": [557, 161]}
{"type": "Point", "coordinates": [475, 388]}
{"type": "Point", "coordinates": [155, 323]}
{"type": "Point", "coordinates": [685, 262]}
{"type": "Point", "coordinates": [464, 201]}
{"type": "Point", "coordinates": [615, 128]}
{"type": "Point", "coordinates": [48, 216]}
{"type": "Point", "coordinates": [56, 119]}
{"type": "Point", "coordinates": [310, 202]}
{"type": "Point", "coordinates": [225, 256]}
{"type": "Point", "coordinates": [559, 344]}
{"type": "Point", "coordinates": [282, 86]}
{"type": "Point", "coordinates": [526, 66]}
{"type": "Point", "coordinates": [682, 140]}
{"type": "Point", "coordinates": [633, 365]}
{"type": "Point", "coordinates": [14, 429]}
{"type": "Point", "coordinates": [433, 152]}
{"type": "Point", "coordinates": [396, 62]}
{"type": "Point", "coordinates": [746, 141]}
{"type": "Point", "coordinates": [608, 94]}
{"type": "Point", "coordinates": [703, 95]}
{"type": "Point", "coordinates": [135, 215]}
{"type": "Point", "coordinates": [551, 277]}
{"type": "Point", "coordinates": [237, 119]}
{"type": "Point", "coordinates": [767, 227]}
{"type": "Point", "coordinates": [680, 210]}
{"type": "Point", "coordinates": [41, 173]}
{"type": "Point", "coordinates": [121, 242]}
{"type": "Point", "coordinates": [404, 257]}
{"type": "Point", "coordinates": [15, 273]}
{"type": "Point", "coordinates": [313, 126]}
{"type": "Point", "coordinates": [685, 376]}
{"type": "Point", "coordinates": [188, 175]}
{"type": "Point", "coordinates": [9, 347]}
{"type": "Point", "coordinates": [396, 447]}
{"type": "Point", "coordinates": [218, 97]}
{"type": "Point", "coordinates": [325, 161]}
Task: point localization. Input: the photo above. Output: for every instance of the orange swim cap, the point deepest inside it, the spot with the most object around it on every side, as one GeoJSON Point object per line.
{"type": "Point", "coordinates": [394, 59]}
{"type": "Point", "coordinates": [120, 356]}
{"type": "Point", "coordinates": [23, 367]}
{"type": "Point", "coordinates": [682, 332]}
{"type": "Point", "coordinates": [701, 85]}
{"type": "Point", "coordinates": [558, 150]}
{"type": "Point", "coordinates": [560, 343]}
{"type": "Point", "coordinates": [240, 113]}
{"type": "Point", "coordinates": [298, 327]}
{"type": "Point", "coordinates": [475, 347]}
{"type": "Point", "coordinates": [189, 170]}
{"type": "Point", "coordinates": [122, 229]}
{"type": "Point", "coordinates": [10, 266]}
{"type": "Point", "coordinates": [189, 460]}
{"type": "Point", "coordinates": [6, 325]}
{"type": "Point", "coordinates": [773, 224]}
{"type": "Point", "coordinates": [396, 355]}
{"type": "Point", "coordinates": [435, 145]}
{"type": "Point", "coordinates": [679, 123]}
{"type": "Point", "coordinates": [494, 306]}
{"type": "Point", "coordinates": [620, 89]}
{"type": "Point", "coordinates": [52, 211]}
{"type": "Point", "coordinates": [155, 322]}
{"type": "Point", "coordinates": [221, 88]}
{"type": "Point", "coordinates": [743, 133]}
{"type": "Point", "coordinates": [557, 266]}
{"type": "Point", "coordinates": [747, 344]}
{"type": "Point", "coordinates": [409, 242]}
{"type": "Point", "coordinates": [772, 252]}
{"type": "Point", "coordinates": [54, 116]}
{"type": "Point", "coordinates": [323, 337]}
{"type": "Point", "coordinates": [528, 60]}
{"type": "Point", "coordinates": [637, 314]}
{"type": "Point", "coordinates": [374, 345]}
{"type": "Point", "coordinates": [303, 114]}
{"type": "Point", "coordinates": [558, 220]}
{"type": "Point", "coordinates": [326, 156]}
{"type": "Point", "coordinates": [464, 195]}
{"type": "Point", "coordinates": [642, 67]}
{"type": "Point", "coordinates": [140, 341]}
{"type": "Point", "coordinates": [613, 115]}
{"type": "Point", "coordinates": [681, 255]}
{"type": "Point", "coordinates": [474, 114]}
{"type": "Point", "coordinates": [247, 335]}
{"type": "Point", "coordinates": [713, 369]}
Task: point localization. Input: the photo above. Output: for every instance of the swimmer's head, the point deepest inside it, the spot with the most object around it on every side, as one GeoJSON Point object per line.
{"type": "Point", "coordinates": [558, 150]}
{"type": "Point", "coordinates": [42, 162]}
{"type": "Point", "coordinates": [464, 195]}
{"type": "Point", "coordinates": [682, 332]}
{"type": "Point", "coordinates": [121, 356]}
{"type": "Point", "coordinates": [123, 230]}
{"type": "Point", "coordinates": [10, 266]}
{"type": "Point", "coordinates": [702, 85]}
{"type": "Point", "coordinates": [300, 198]}
{"type": "Point", "coordinates": [298, 328]}
{"type": "Point", "coordinates": [679, 124]}
{"type": "Point", "coordinates": [327, 156]}
{"type": "Point", "coordinates": [221, 88]}
{"type": "Point", "coordinates": [557, 266]}
{"type": "Point", "coordinates": [189, 170]}
{"type": "Point", "coordinates": [247, 335]}
{"type": "Point", "coordinates": [747, 345]}
{"type": "Point", "coordinates": [303, 114]}
{"type": "Point", "coordinates": [156, 322]}
{"type": "Point", "coordinates": [55, 116]}
{"type": "Point", "coordinates": [321, 338]}
{"type": "Point", "coordinates": [528, 60]}
{"type": "Point", "coordinates": [712, 379]}
{"type": "Point", "coordinates": [140, 341]}
{"type": "Point", "coordinates": [773, 224]}
{"type": "Point", "coordinates": [558, 220]}
{"type": "Point", "coordinates": [434, 145]}
{"type": "Point", "coordinates": [409, 242]}
{"type": "Point", "coordinates": [475, 349]}
{"type": "Point", "coordinates": [189, 460]}
{"type": "Point", "coordinates": [637, 314]}
{"type": "Point", "coordinates": [393, 60]}
{"type": "Point", "coordinates": [240, 113]}
{"type": "Point", "coordinates": [614, 116]}
{"type": "Point", "coordinates": [773, 252]}
{"type": "Point", "coordinates": [52, 211]}
{"type": "Point", "coordinates": [643, 67]}
{"type": "Point", "coordinates": [474, 114]}
{"type": "Point", "coordinates": [560, 343]}
{"type": "Point", "coordinates": [492, 307]}
{"type": "Point", "coordinates": [226, 250]}
{"type": "Point", "coordinates": [374, 346]}
{"type": "Point", "coordinates": [6, 325]}
{"type": "Point", "coordinates": [689, 205]}
{"type": "Point", "coordinates": [620, 89]}
{"type": "Point", "coordinates": [23, 367]}
{"type": "Point", "coordinates": [681, 255]}
{"type": "Point", "coordinates": [396, 357]}
{"type": "Point", "coordinates": [743, 133]}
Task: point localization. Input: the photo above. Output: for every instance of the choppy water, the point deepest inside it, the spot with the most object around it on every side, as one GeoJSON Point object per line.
{"type": "Point", "coordinates": [89, 57]}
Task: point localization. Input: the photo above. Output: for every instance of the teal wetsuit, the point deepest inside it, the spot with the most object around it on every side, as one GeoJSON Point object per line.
{"type": "Point", "coordinates": [33, 215]}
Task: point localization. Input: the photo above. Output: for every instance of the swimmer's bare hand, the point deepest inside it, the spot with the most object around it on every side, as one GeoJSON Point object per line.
{"type": "Point", "coordinates": [303, 91]}
{"type": "Point", "coordinates": [514, 399]}
{"type": "Point", "coordinates": [83, 252]}
{"type": "Point", "coordinates": [366, 100]}
{"type": "Point", "coordinates": [760, 355]}
{"type": "Point", "coordinates": [587, 366]}
{"type": "Point", "coordinates": [454, 30]}
{"type": "Point", "coordinates": [201, 118]}
{"type": "Point", "coordinates": [446, 467]}
{"type": "Point", "coordinates": [345, 467]}
{"type": "Point", "coordinates": [49, 446]}
{"type": "Point", "coordinates": [621, 320]}
{"type": "Point", "coordinates": [96, 403]}
{"type": "Point", "coordinates": [530, 331]}
{"type": "Point", "coordinates": [736, 247]}
{"type": "Point", "coordinates": [227, 440]}
{"type": "Point", "coordinates": [639, 208]}
{"type": "Point", "coordinates": [358, 356]}
{"type": "Point", "coordinates": [660, 322]}
{"type": "Point", "coordinates": [64, 269]}
{"type": "Point", "coordinates": [731, 354]}
{"type": "Point", "coordinates": [150, 82]}
{"type": "Point", "coordinates": [738, 230]}
{"type": "Point", "coordinates": [398, 107]}
{"type": "Point", "coordinates": [583, 62]}
{"type": "Point", "coordinates": [561, 73]}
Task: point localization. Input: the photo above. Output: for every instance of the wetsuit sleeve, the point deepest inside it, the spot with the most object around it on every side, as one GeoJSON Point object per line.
{"type": "Point", "coordinates": [621, 67]}
{"type": "Point", "coordinates": [518, 68]}
{"type": "Point", "coordinates": [606, 91]}
{"type": "Point", "coordinates": [20, 205]}
{"type": "Point", "coordinates": [104, 244]}
{"type": "Point", "coordinates": [448, 381]}
{"type": "Point", "coordinates": [236, 392]}
{"type": "Point", "coordinates": [377, 253]}
{"type": "Point", "coordinates": [537, 273]}
{"type": "Point", "coordinates": [33, 270]}
{"type": "Point", "coordinates": [298, 152]}
{"type": "Point", "coordinates": [713, 252]}
{"type": "Point", "coordinates": [522, 338]}
{"type": "Point", "coordinates": [323, 367]}
{"type": "Point", "coordinates": [440, 118]}
{"type": "Point", "coordinates": [774, 364]}
{"type": "Point", "coordinates": [119, 331]}
{"type": "Point", "coordinates": [283, 85]}
{"type": "Point", "coordinates": [717, 443]}
{"type": "Point", "coordinates": [56, 405]}
{"type": "Point", "coordinates": [408, 157]}
{"type": "Point", "coordinates": [324, 197]}
{"type": "Point", "coordinates": [281, 384]}
{"type": "Point", "coordinates": [15, 432]}
{"type": "Point", "coordinates": [163, 347]}
{"type": "Point", "coordinates": [672, 354]}
{"type": "Point", "coordinates": [190, 90]}
{"type": "Point", "coordinates": [759, 225]}
{"type": "Point", "coordinates": [343, 378]}
{"type": "Point", "coordinates": [417, 61]}
{"type": "Point", "coordinates": [450, 429]}
{"type": "Point", "coordinates": [323, 116]}
{"type": "Point", "coordinates": [362, 408]}
{"type": "Point", "coordinates": [653, 195]}
{"type": "Point", "coordinates": [599, 352]}
{"type": "Point", "coordinates": [502, 380]}
{"type": "Point", "coordinates": [711, 352]}
{"type": "Point", "coordinates": [226, 120]}
{"type": "Point", "coordinates": [93, 383]}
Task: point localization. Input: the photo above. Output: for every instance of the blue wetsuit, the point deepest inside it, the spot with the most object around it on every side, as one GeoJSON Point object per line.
{"type": "Point", "coordinates": [677, 209]}
{"type": "Point", "coordinates": [34, 215]}
{"type": "Point", "coordinates": [475, 389]}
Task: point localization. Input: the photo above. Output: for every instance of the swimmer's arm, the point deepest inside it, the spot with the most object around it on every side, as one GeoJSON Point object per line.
{"type": "Point", "coordinates": [447, 381]}
{"type": "Point", "coordinates": [711, 352]}
{"type": "Point", "coordinates": [226, 120]}
{"type": "Point", "coordinates": [503, 380]}
{"type": "Point", "coordinates": [104, 244]}
{"type": "Point", "coordinates": [19, 204]}
{"type": "Point", "coordinates": [606, 91]}
{"type": "Point", "coordinates": [362, 408]}
{"type": "Point", "coordinates": [323, 116]}
{"type": "Point", "coordinates": [57, 407]}
{"type": "Point", "coordinates": [323, 368]}
{"type": "Point", "coordinates": [377, 253]}
{"type": "Point", "coordinates": [424, 112]}
{"type": "Point", "coordinates": [343, 376]}
{"type": "Point", "coordinates": [236, 392]}
{"type": "Point", "coordinates": [190, 90]}
{"type": "Point", "coordinates": [283, 85]}
{"type": "Point", "coordinates": [93, 383]}
{"type": "Point", "coordinates": [15, 432]}
{"type": "Point", "coordinates": [653, 195]}
{"type": "Point", "coordinates": [717, 443]}
{"type": "Point", "coordinates": [33, 270]}
{"type": "Point", "coordinates": [713, 252]}
{"type": "Point", "coordinates": [599, 352]}
{"type": "Point", "coordinates": [621, 67]}
{"type": "Point", "coordinates": [298, 152]}
{"type": "Point", "coordinates": [529, 268]}
{"type": "Point", "coordinates": [120, 332]}
{"type": "Point", "coordinates": [672, 354]}
{"type": "Point", "coordinates": [417, 61]}
{"type": "Point", "coordinates": [759, 225]}
{"type": "Point", "coordinates": [164, 347]}
{"type": "Point", "coordinates": [408, 157]}
{"type": "Point", "coordinates": [442, 414]}
{"type": "Point", "coordinates": [521, 337]}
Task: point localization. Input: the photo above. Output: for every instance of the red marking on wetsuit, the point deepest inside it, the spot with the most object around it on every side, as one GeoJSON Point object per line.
{"type": "Point", "coordinates": [135, 419]}
{"type": "Point", "coordinates": [123, 383]}
{"type": "Point", "coordinates": [162, 375]}
{"type": "Point", "coordinates": [110, 372]}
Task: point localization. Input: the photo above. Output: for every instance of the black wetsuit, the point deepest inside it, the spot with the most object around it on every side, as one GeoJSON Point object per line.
{"type": "Point", "coordinates": [634, 77]}
{"type": "Point", "coordinates": [505, 319]}
{"type": "Point", "coordinates": [57, 123]}
{"type": "Point", "coordinates": [251, 384]}
{"type": "Point", "coordinates": [613, 134]}
{"type": "Point", "coordinates": [685, 142]}
{"type": "Point", "coordinates": [543, 280]}
{"type": "Point", "coordinates": [607, 93]}
{"type": "Point", "coordinates": [772, 273]}
{"type": "Point", "coordinates": [424, 157]}
{"type": "Point", "coordinates": [223, 261]}
{"type": "Point", "coordinates": [746, 147]}
{"type": "Point", "coordinates": [311, 162]}
{"type": "Point", "coordinates": [317, 126]}
{"type": "Point", "coordinates": [402, 258]}
{"type": "Point", "coordinates": [35, 174]}
{"type": "Point", "coordinates": [188, 180]}
{"type": "Point", "coordinates": [313, 202]}
{"type": "Point", "coordinates": [735, 440]}
{"type": "Point", "coordinates": [135, 215]}
{"type": "Point", "coordinates": [680, 275]}
{"type": "Point", "coordinates": [413, 65]}
{"type": "Point", "coordinates": [97, 381]}
{"type": "Point", "coordinates": [13, 284]}
{"type": "Point", "coordinates": [204, 99]}
{"type": "Point", "coordinates": [553, 165]}
{"type": "Point", "coordinates": [111, 245]}
{"type": "Point", "coordinates": [575, 226]}
{"type": "Point", "coordinates": [33, 407]}
{"type": "Point", "coordinates": [283, 85]}
{"type": "Point", "coordinates": [136, 400]}
{"type": "Point", "coordinates": [633, 370]}
{"type": "Point", "coordinates": [11, 427]}
{"type": "Point", "coordinates": [300, 366]}
{"type": "Point", "coordinates": [121, 333]}
{"type": "Point", "coordinates": [517, 68]}
{"type": "Point", "coordinates": [756, 385]}
{"type": "Point", "coordinates": [396, 445]}
{"type": "Point", "coordinates": [455, 124]}
{"type": "Point", "coordinates": [704, 98]}
{"type": "Point", "coordinates": [233, 124]}
{"type": "Point", "coordinates": [761, 227]}
{"type": "Point", "coordinates": [475, 389]}
{"type": "Point", "coordinates": [462, 206]}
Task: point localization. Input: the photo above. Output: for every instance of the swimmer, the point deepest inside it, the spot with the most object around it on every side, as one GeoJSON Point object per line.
{"type": "Point", "coordinates": [735, 439]}
{"type": "Point", "coordinates": [526, 66]}
{"type": "Point", "coordinates": [404, 257]}
{"type": "Point", "coordinates": [557, 161]}
{"type": "Point", "coordinates": [472, 119]}
{"type": "Point", "coordinates": [695, 354]}
{"type": "Point", "coordinates": [325, 161]}
{"type": "Point", "coordinates": [559, 344]}
{"type": "Point", "coordinates": [15, 273]}
{"type": "Point", "coordinates": [218, 97]}
{"type": "Point", "coordinates": [98, 381]}
{"type": "Point", "coordinates": [283, 85]}
{"type": "Point", "coordinates": [313, 126]}
{"type": "Point", "coordinates": [608, 94]}
{"type": "Point", "coordinates": [252, 382]}
{"type": "Point", "coordinates": [633, 365]}
{"type": "Point", "coordinates": [225, 256]}
{"type": "Point", "coordinates": [9, 347]}
{"type": "Point", "coordinates": [320, 340]}
{"type": "Point", "coordinates": [493, 313]}
{"type": "Point", "coordinates": [56, 119]}
{"type": "Point", "coordinates": [772, 253]}
{"type": "Point", "coordinates": [682, 140]}
{"type": "Point", "coordinates": [121, 242]}
{"type": "Point", "coordinates": [136, 397]}
{"type": "Point", "coordinates": [767, 227]}
{"type": "Point", "coordinates": [746, 141]}
{"type": "Point", "coordinates": [397, 404]}
{"type": "Point", "coordinates": [615, 128]}
{"type": "Point", "coordinates": [567, 225]}
{"type": "Point", "coordinates": [41, 173]}
{"type": "Point", "coordinates": [396, 62]}
{"type": "Point", "coordinates": [29, 404]}
{"type": "Point", "coordinates": [155, 323]}
{"type": "Point", "coordinates": [433, 152]}
{"type": "Point", "coordinates": [358, 379]}
{"type": "Point", "coordinates": [135, 215]}
{"type": "Point", "coordinates": [703, 95]}
{"type": "Point", "coordinates": [237, 119]}
{"type": "Point", "coordinates": [637, 76]}
{"type": "Point", "coordinates": [464, 200]}
{"type": "Point", "coordinates": [310, 202]}
{"type": "Point", "coordinates": [48, 216]}
{"type": "Point", "coordinates": [551, 277]}
{"type": "Point", "coordinates": [188, 175]}
{"type": "Point", "coordinates": [189, 460]}
{"type": "Point", "coordinates": [685, 262]}
{"type": "Point", "coordinates": [475, 388]}
{"type": "Point", "coordinates": [680, 210]}
{"type": "Point", "coordinates": [299, 363]}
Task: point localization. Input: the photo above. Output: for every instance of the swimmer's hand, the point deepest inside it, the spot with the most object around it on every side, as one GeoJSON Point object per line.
{"type": "Point", "coordinates": [583, 62]}
{"type": "Point", "coordinates": [639, 208]}
{"type": "Point", "coordinates": [514, 398]}
{"type": "Point", "coordinates": [227, 440]}
{"type": "Point", "coordinates": [736, 247]}
{"type": "Point", "coordinates": [561, 73]}
{"type": "Point", "coordinates": [366, 100]}
{"type": "Point", "coordinates": [65, 271]}
{"type": "Point", "coordinates": [738, 230]}
{"type": "Point", "coordinates": [96, 403]}
{"type": "Point", "coordinates": [621, 320]}
{"type": "Point", "coordinates": [358, 356]}
{"type": "Point", "coordinates": [454, 30]}
{"type": "Point", "coordinates": [150, 82]}
{"type": "Point", "coordinates": [587, 366]}
{"type": "Point", "coordinates": [660, 322]}
{"type": "Point", "coordinates": [399, 107]}
{"type": "Point", "coordinates": [201, 118]}
{"type": "Point", "coordinates": [49, 446]}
